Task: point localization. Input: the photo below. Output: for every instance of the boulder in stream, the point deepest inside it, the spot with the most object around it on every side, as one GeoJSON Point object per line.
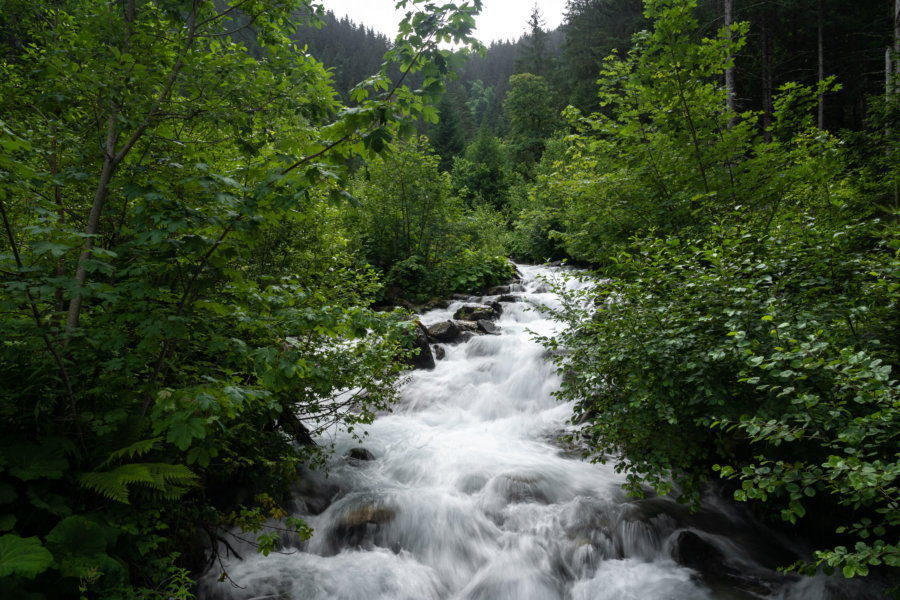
{"type": "Point", "coordinates": [488, 327]}
{"type": "Point", "coordinates": [497, 290]}
{"type": "Point", "coordinates": [445, 331]}
{"type": "Point", "coordinates": [360, 454]}
{"type": "Point", "coordinates": [689, 549]}
{"type": "Point", "coordinates": [474, 313]}
{"type": "Point", "coordinates": [424, 358]}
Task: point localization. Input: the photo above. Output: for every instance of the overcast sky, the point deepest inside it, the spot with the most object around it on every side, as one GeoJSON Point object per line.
{"type": "Point", "coordinates": [499, 19]}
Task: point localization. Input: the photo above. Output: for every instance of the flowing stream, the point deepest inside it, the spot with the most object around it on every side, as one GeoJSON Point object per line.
{"type": "Point", "coordinates": [468, 495]}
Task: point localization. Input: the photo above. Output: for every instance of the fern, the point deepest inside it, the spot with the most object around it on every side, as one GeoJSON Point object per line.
{"type": "Point", "coordinates": [139, 448]}
{"type": "Point", "coordinates": [166, 481]}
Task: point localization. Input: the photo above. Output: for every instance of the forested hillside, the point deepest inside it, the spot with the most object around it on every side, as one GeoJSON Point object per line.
{"type": "Point", "coordinates": [217, 216]}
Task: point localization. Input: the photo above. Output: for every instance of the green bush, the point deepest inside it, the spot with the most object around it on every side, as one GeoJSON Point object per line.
{"type": "Point", "coordinates": [770, 355]}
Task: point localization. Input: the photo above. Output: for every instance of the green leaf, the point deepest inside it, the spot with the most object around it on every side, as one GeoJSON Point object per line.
{"type": "Point", "coordinates": [25, 557]}
{"type": "Point", "coordinates": [76, 536]}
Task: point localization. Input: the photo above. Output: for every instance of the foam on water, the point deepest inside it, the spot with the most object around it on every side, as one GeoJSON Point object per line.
{"type": "Point", "coordinates": [471, 498]}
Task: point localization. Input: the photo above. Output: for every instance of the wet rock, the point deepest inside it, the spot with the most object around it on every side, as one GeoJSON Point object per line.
{"type": "Point", "coordinates": [359, 526]}
{"type": "Point", "coordinates": [377, 515]}
{"type": "Point", "coordinates": [692, 551]}
{"type": "Point", "coordinates": [509, 298]}
{"type": "Point", "coordinates": [474, 313]}
{"type": "Point", "coordinates": [439, 352]}
{"type": "Point", "coordinates": [360, 454]}
{"type": "Point", "coordinates": [423, 359]}
{"type": "Point", "coordinates": [445, 331]}
{"type": "Point", "coordinates": [518, 488]}
{"type": "Point", "coordinates": [316, 493]}
{"type": "Point", "coordinates": [488, 327]}
{"type": "Point", "coordinates": [465, 336]}
{"type": "Point", "coordinates": [695, 552]}
{"type": "Point", "coordinates": [433, 304]}
{"type": "Point", "coordinates": [497, 290]}
{"type": "Point", "coordinates": [467, 325]}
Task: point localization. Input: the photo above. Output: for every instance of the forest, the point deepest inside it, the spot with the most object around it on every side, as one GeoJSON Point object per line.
{"type": "Point", "coordinates": [219, 216]}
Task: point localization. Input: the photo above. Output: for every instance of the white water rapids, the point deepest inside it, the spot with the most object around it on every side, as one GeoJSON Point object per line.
{"type": "Point", "coordinates": [471, 497]}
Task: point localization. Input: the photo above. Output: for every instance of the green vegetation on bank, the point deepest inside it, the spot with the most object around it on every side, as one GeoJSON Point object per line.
{"type": "Point", "coordinates": [182, 306]}
{"type": "Point", "coordinates": [745, 322]}
{"type": "Point", "coordinates": [198, 215]}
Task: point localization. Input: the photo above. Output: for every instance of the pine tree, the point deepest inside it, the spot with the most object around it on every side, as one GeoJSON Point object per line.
{"type": "Point", "coordinates": [533, 55]}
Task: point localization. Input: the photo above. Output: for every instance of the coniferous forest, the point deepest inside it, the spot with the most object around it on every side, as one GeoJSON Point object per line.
{"type": "Point", "coordinates": [220, 216]}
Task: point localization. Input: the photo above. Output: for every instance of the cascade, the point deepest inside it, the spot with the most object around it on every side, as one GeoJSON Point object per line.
{"type": "Point", "coordinates": [466, 493]}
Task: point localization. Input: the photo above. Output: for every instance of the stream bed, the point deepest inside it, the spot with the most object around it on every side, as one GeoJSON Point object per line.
{"type": "Point", "coordinates": [464, 492]}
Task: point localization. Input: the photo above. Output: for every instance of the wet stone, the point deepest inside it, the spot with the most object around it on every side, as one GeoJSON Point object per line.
{"type": "Point", "coordinates": [474, 313]}
{"type": "Point", "coordinates": [360, 454]}
{"type": "Point", "coordinates": [423, 358]}
{"type": "Point", "coordinates": [445, 331]}
{"type": "Point", "coordinates": [488, 327]}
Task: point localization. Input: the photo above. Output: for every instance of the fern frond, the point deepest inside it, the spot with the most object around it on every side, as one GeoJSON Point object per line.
{"type": "Point", "coordinates": [168, 481]}
{"type": "Point", "coordinates": [138, 448]}
{"type": "Point", "coordinates": [106, 484]}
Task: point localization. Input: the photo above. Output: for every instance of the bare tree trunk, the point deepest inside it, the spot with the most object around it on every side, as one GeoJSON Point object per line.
{"type": "Point", "coordinates": [896, 57]}
{"type": "Point", "coordinates": [765, 43]}
{"type": "Point", "coordinates": [93, 224]}
{"type": "Point", "coordinates": [821, 26]}
{"type": "Point", "coordinates": [729, 70]}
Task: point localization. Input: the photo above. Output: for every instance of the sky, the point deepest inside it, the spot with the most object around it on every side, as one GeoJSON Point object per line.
{"type": "Point", "coordinates": [499, 19]}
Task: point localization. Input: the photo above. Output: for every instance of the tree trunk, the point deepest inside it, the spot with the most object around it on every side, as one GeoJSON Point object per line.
{"type": "Point", "coordinates": [896, 56]}
{"type": "Point", "coordinates": [821, 26]}
{"type": "Point", "coordinates": [765, 43]}
{"type": "Point", "coordinates": [729, 70]}
{"type": "Point", "coordinates": [93, 224]}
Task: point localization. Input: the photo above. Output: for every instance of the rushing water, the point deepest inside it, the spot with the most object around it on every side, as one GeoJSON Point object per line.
{"type": "Point", "coordinates": [471, 497]}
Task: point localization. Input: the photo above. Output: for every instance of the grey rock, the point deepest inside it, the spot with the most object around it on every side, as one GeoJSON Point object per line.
{"type": "Point", "coordinates": [474, 313]}
{"type": "Point", "coordinates": [423, 359]}
{"type": "Point", "coordinates": [445, 331]}
{"type": "Point", "coordinates": [360, 454]}
{"type": "Point", "coordinates": [488, 327]}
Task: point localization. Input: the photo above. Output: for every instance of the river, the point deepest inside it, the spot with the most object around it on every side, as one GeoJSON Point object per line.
{"type": "Point", "coordinates": [469, 495]}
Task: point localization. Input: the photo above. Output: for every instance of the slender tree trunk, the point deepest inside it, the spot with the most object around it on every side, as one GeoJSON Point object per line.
{"type": "Point", "coordinates": [93, 224]}
{"type": "Point", "coordinates": [765, 43]}
{"type": "Point", "coordinates": [729, 70]}
{"type": "Point", "coordinates": [113, 156]}
{"type": "Point", "coordinates": [896, 57]}
{"type": "Point", "coordinates": [821, 26]}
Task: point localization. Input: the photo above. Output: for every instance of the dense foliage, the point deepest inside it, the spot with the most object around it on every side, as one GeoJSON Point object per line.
{"type": "Point", "coordinates": [744, 317]}
{"type": "Point", "coordinates": [200, 206]}
{"type": "Point", "coordinates": [425, 240]}
{"type": "Point", "coordinates": [181, 311]}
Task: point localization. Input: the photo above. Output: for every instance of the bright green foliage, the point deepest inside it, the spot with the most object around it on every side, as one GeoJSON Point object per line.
{"type": "Point", "coordinates": [746, 316]}
{"type": "Point", "coordinates": [538, 208]}
{"type": "Point", "coordinates": [482, 175]}
{"type": "Point", "coordinates": [532, 118]}
{"type": "Point", "coordinates": [180, 309]}
{"type": "Point", "coordinates": [481, 99]}
{"type": "Point", "coordinates": [419, 234]}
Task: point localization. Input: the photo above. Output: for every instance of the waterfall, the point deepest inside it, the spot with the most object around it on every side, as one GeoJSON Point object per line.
{"type": "Point", "coordinates": [470, 496]}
